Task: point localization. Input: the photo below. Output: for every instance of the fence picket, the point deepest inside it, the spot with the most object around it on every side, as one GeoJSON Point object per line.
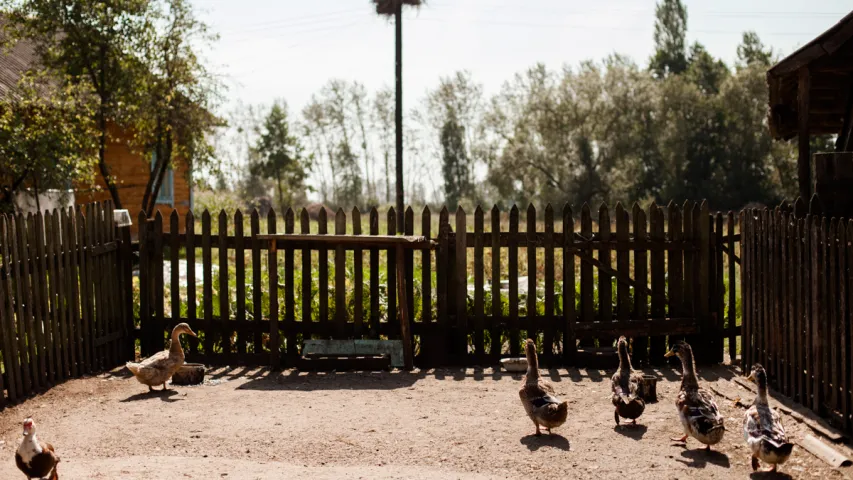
{"type": "Point", "coordinates": [623, 263]}
{"type": "Point", "coordinates": [307, 289]}
{"type": "Point", "coordinates": [842, 386]}
{"type": "Point", "coordinates": [240, 279]}
{"type": "Point", "coordinates": [291, 346]}
{"type": "Point", "coordinates": [374, 277]}
{"type": "Point", "coordinates": [479, 302]}
{"type": "Point", "coordinates": [732, 290]}
{"type": "Point", "coordinates": [409, 268]}
{"type": "Point", "coordinates": [174, 260]}
{"type": "Point", "coordinates": [514, 333]}
{"type": "Point", "coordinates": [159, 333]}
{"type": "Point", "coordinates": [495, 331]}
{"type": "Point", "coordinates": [51, 303]}
{"type": "Point", "coordinates": [587, 305]}
{"type": "Point", "coordinates": [225, 330]}
{"type": "Point", "coordinates": [461, 283]}
{"type": "Point", "coordinates": [192, 306]}
{"type": "Point", "coordinates": [323, 271]}
{"type": "Point", "coordinates": [442, 283]}
{"type": "Point", "coordinates": [145, 243]}
{"type": "Point", "coordinates": [675, 275]}
{"type": "Point", "coordinates": [530, 247]}
{"type": "Point", "coordinates": [719, 288]}
{"type": "Point", "coordinates": [830, 337]}
{"type": "Point", "coordinates": [657, 345]}
{"type": "Point", "coordinates": [11, 357]}
{"type": "Point", "coordinates": [207, 288]}
{"type": "Point", "coordinates": [641, 276]}
{"type": "Point", "coordinates": [340, 275]}
{"type": "Point", "coordinates": [549, 317]}
{"type": "Point", "coordinates": [274, 343]}
{"type": "Point", "coordinates": [426, 268]}
{"type": "Point", "coordinates": [391, 271]}
{"type": "Point", "coordinates": [358, 276]}
{"type": "Point", "coordinates": [605, 285]}
{"type": "Point", "coordinates": [782, 301]}
{"type": "Point", "coordinates": [569, 290]}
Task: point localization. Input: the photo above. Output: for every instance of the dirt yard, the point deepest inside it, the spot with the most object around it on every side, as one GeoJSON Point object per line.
{"type": "Point", "coordinates": [444, 424]}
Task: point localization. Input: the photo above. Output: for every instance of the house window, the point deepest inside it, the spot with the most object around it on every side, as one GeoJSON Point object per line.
{"type": "Point", "coordinates": [167, 190]}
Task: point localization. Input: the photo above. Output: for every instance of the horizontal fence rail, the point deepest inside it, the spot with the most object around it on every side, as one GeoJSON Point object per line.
{"type": "Point", "coordinates": [65, 295]}
{"type": "Point", "coordinates": [255, 287]}
{"type": "Point", "coordinates": [797, 293]}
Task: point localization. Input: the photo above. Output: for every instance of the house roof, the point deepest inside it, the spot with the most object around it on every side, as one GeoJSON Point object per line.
{"type": "Point", "coordinates": [829, 58]}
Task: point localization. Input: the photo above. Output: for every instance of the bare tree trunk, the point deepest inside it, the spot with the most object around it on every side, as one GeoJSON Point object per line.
{"type": "Point", "coordinates": [102, 163]}
{"type": "Point", "coordinates": [398, 114]}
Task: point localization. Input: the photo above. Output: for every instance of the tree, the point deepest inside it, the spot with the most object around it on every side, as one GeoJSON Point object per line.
{"type": "Point", "coordinates": [454, 162]}
{"type": "Point", "coordinates": [670, 32]}
{"type": "Point", "coordinates": [178, 96]}
{"type": "Point", "coordinates": [47, 137]}
{"type": "Point", "coordinates": [382, 121]}
{"type": "Point", "coordinates": [752, 51]}
{"type": "Point", "coordinates": [93, 49]}
{"type": "Point", "coordinates": [704, 71]}
{"type": "Point", "coordinates": [280, 157]}
{"type": "Point", "coordinates": [387, 8]}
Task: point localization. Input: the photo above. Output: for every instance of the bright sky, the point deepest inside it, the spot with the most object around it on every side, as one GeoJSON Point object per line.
{"type": "Point", "coordinates": [289, 48]}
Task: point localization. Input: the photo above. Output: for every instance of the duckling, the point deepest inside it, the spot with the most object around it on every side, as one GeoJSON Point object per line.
{"type": "Point", "coordinates": [537, 396]}
{"type": "Point", "coordinates": [697, 408]}
{"type": "Point", "coordinates": [159, 368]}
{"type": "Point", "coordinates": [34, 458]}
{"type": "Point", "coordinates": [625, 384]}
{"type": "Point", "coordinates": [762, 427]}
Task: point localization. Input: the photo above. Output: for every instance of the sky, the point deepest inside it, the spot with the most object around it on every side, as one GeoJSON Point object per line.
{"type": "Point", "coordinates": [288, 49]}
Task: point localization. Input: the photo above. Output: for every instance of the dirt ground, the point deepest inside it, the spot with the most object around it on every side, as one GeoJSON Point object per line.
{"type": "Point", "coordinates": [444, 424]}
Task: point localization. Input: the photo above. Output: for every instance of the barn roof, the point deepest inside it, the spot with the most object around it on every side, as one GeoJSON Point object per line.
{"type": "Point", "coordinates": [829, 60]}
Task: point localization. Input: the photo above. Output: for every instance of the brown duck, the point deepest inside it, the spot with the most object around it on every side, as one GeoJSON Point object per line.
{"type": "Point", "coordinates": [36, 459]}
{"type": "Point", "coordinates": [625, 384]}
{"type": "Point", "coordinates": [537, 396]}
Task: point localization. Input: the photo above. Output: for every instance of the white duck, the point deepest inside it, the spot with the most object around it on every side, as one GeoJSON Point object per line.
{"type": "Point", "coordinates": [159, 368]}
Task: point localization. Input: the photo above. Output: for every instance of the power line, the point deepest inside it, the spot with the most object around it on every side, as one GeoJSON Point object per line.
{"type": "Point", "coordinates": [286, 22]}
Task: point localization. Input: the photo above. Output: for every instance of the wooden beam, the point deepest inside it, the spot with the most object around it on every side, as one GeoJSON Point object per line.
{"type": "Point", "coordinates": [842, 143]}
{"type": "Point", "coordinates": [803, 164]}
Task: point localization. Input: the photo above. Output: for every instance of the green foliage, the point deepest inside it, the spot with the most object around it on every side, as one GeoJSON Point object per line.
{"type": "Point", "coordinates": [47, 137]}
{"type": "Point", "coordinates": [280, 157]}
{"type": "Point", "coordinates": [670, 31]}
{"type": "Point", "coordinates": [454, 162]}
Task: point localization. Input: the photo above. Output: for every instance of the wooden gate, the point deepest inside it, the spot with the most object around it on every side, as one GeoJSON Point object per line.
{"type": "Point", "coordinates": [257, 287]}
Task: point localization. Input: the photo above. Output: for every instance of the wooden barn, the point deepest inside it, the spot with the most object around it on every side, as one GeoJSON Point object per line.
{"type": "Point", "coordinates": [811, 93]}
{"type": "Point", "coordinates": [130, 169]}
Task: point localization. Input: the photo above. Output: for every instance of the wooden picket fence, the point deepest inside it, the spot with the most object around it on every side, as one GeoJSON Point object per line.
{"type": "Point", "coordinates": [65, 297]}
{"type": "Point", "coordinates": [647, 274]}
{"type": "Point", "coordinates": [798, 290]}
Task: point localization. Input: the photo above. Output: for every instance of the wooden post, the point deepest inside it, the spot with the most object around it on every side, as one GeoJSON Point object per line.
{"type": "Point", "coordinates": [832, 180]}
{"type": "Point", "coordinates": [803, 167]}
{"type": "Point", "coordinates": [405, 333]}
{"type": "Point", "coordinates": [126, 258]}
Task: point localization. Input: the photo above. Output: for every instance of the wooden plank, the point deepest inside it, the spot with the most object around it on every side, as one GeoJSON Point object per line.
{"type": "Point", "coordinates": [11, 357]}
{"type": "Point", "coordinates": [307, 289]}
{"type": "Point", "coordinates": [224, 302]}
{"type": "Point", "coordinates": [765, 292]}
{"type": "Point", "coordinates": [240, 281]}
{"type": "Point", "coordinates": [272, 271]}
{"type": "Point", "coordinates": [495, 333]}
{"type": "Point", "coordinates": [479, 301]}
{"type": "Point", "coordinates": [27, 330]}
{"type": "Point", "coordinates": [532, 284]}
{"type": "Point", "coordinates": [36, 252]}
{"type": "Point", "coordinates": [830, 337]}
{"type": "Point", "coordinates": [442, 283]}
{"type": "Point", "coordinates": [816, 447]}
{"type": "Point", "coordinates": [462, 283]}
{"type": "Point", "coordinates": [83, 336]}
{"type": "Point", "coordinates": [514, 340]}
{"type": "Point", "coordinates": [720, 287]}
{"type": "Point", "coordinates": [192, 306]}
{"type": "Point", "coordinates": [323, 271]}
{"type": "Point", "coordinates": [340, 276]}
{"type": "Point", "coordinates": [114, 294]}
{"type": "Point", "coordinates": [804, 158]}
{"type": "Point", "coordinates": [350, 242]}
{"type": "Point", "coordinates": [675, 273]}
{"type": "Point", "coordinates": [291, 344]}
{"type": "Point", "coordinates": [174, 257]}
{"type": "Point", "coordinates": [569, 292]}
{"type": "Point", "coordinates": [789, 338]}
{"type": "Point", "coordinates": [848, 356]}
{"type": "Point", "coordinates": [426, 268]}
{"type": "Point", "coordinates": [704, 238]}
{"type": "Point", "coordinates": [641, 275]}
{"type": "Point", "coordinates": [808, 293]}
{"type": "Point", "coordinates": [207, 289]}
{"type": "Point", "coordinates": [145, 244]}
{"type": "Point", "coordinates": [552, 326]}
{"type": "Point", "coordinates": [623, 264]}
{"type": "Point", "coordinates": [61, 221]}
{"type": "Point", "coordinates": [405, 332]}
{"type": "Point", "coordinates": [391, 267]}
{"type": "Point", "coordinates": [374, 277]}
{"type": "Point", "coordinates": [587, 302]}
{"type": "Point", "coordinates": [817, 305]}
{"type": "Point", "coordinates": [126, 258]}
{"type": "Point", "coordinates": [782, 302]}
{"type": "Point", "coordinates": [257, 282]}
{"type": "Point", "coordinates": [732, 290]}
{"type": "Point", "coordinates": [605, 285]}
{"type": "Point", "coordinates": [842, 387]}
{"type": "Point", "coordinates": [160, 331]}
{"type": "Point", "coordinates": [657, 345]}
{"type": "Point", "coordinates": [409, 256]}
{"type": "Point", "coordinates": [800, 271]}
{"type": "Point", "coordinates": [358, 276]}
{"type": "Point", "coordinates": [745, 288]}
{"type": "Point", "coordinates": [51, 305]}
{"type": "Point", "coordinates": [690, 290]}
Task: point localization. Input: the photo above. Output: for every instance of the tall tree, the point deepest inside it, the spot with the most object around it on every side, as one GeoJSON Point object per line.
{"type": "Point", "coordinates": [382, 122]}
{"type": "Point", "coordinates": [388, 8]}
{"type": "Point", "coordinates": [39, 147]}
{"type": "Point", "coordinates": [280, 157]}
{"type": "Point", "coordinates": [670, 57]}
{"type": "Point", "coordinates": [95, 47]}
{"type": "Point", "coordinates": [705, 71]}
{"type": "Point", "coordinates": [178, 96]}
{"type": "Point", "coordinates": [454, 162]}
{"type": "Point", "coordinates": [751, 51]}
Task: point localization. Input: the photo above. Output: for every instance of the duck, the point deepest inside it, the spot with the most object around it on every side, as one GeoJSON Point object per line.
{"type": "Point", "coordinates": [625, 384]}
{"type": "Point", "coordinates": [159, 368]}
{"type": "Point", "coordinates": [697, 407]}
{"type": "Point", "coordinates": [537, 396]}
{"type": "Point", "coordinates": [34, 458]}
{"type": "Point", "coordinates": [762, 427]}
